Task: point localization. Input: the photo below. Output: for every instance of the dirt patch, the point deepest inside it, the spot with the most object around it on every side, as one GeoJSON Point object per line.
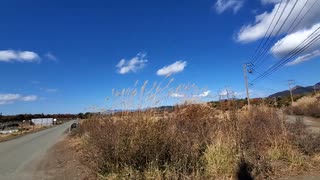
{"type": "Point", "coordinates": [63, 161]}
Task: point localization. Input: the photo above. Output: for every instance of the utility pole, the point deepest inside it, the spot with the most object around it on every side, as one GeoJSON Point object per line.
{"type": "Point", "coordinates": [291, 82]}
{"type": "Point", "coordinates": [246, 83]}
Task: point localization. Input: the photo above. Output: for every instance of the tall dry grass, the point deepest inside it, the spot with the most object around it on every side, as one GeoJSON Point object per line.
{"type": "Point", "coordinates": [307, 105]}
{"type": "Point", "coordinates": [193, 141]}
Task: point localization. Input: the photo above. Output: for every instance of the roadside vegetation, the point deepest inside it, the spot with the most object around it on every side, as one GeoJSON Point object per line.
{"type": "Point", "coordinates": [307, 106]}
{"type": "Point", "coordinates": [196, 141]}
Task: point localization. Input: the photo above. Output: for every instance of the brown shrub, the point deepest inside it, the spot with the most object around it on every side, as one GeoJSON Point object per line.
{"type": "Point", "coordinates": [260, 128]}
{"type": "Point", "coordinates": [141, 140]}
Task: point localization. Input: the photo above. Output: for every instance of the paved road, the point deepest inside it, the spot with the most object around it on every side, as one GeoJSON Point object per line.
{"type": "Point", "coordinates": [312, 124]}
{"type": "Point", "coordinates": [19, 157]}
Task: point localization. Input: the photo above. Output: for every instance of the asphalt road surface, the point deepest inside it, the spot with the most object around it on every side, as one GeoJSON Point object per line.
{"type": "Point", "coordinates": [312, 124]}
{"type": "Point", "coordinates": [19, 157]}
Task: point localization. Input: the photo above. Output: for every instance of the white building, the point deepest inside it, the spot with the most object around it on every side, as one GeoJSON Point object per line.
{"type": "Point", "coordinates": [43, 121]}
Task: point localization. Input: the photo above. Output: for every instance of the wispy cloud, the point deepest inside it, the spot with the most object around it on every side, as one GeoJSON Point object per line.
{"type": "Point", "coordinates": [177, 95]}
{"type": "Point", "coordinates": [133, 65]}
{"type": "Point", "coordinates": [11, 98]}
{"type": "Point", "coordinates": [305, 57]}
{"type": "Point", "coordinates": [19, 56]}
{"type": "Point", "coordinates": [51, 57]}
{"type": "Point", "coordinates": [29, 98]}
{"type": "Point", "coordinates": [172, 69]}
{"type": "Point", "coordinates": [224, 5]}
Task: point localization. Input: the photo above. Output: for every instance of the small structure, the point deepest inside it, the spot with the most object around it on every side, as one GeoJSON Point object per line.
{"type": "Point", "coordinates": [43, 121]}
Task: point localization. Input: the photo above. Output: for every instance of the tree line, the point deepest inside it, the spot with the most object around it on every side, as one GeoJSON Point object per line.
{"type": "Point", "coordinates": [21, 117]}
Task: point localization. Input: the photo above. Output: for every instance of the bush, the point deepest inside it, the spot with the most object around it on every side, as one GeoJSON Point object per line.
{"type": "Point", "coordinates": [142, 141]}
{"type": "Point", "coordinates": [220, 160]}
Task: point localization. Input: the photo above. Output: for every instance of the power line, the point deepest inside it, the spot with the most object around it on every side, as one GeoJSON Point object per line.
{"type": "Point", "coordinates": [277, 66]}
{"type": "Point", "coordinates": [304, 15]}
{"type": "Point", "coordinates": [298, 15]}
{"type": "Point", "coordinates": [292, 54]}
{"type": "Point", "coordinates": [266, 49]}
{"type": "Point", "coordinates": [269, 36]}
{"type": "Point", "coordinates": [266, 43]}
{"type": "Point", "coordinates": [290, 29]}
{"type": "Point", "coordinates": [260, 71]}
{"type": "Point", "coordinates": [265, 35]}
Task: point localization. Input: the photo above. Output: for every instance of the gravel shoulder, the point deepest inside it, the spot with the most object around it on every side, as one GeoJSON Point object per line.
{"type": "Point", "coordinates": [63, 161]}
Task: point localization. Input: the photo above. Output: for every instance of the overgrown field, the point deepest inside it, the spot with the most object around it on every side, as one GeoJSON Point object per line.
{"type": "Point", "coordinates": [197, 141]}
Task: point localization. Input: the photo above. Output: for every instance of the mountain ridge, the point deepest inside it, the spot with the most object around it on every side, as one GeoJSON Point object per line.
{"type": "Point", "coordinates": [297, 90]}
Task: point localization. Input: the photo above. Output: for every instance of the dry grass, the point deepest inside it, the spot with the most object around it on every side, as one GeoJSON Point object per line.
{"type": "Point", "coordinates": [307, 105]}
{"type": "Point", "coordinates": [142, 141]}
{"type": "Point", "coordinates": [194, 141]}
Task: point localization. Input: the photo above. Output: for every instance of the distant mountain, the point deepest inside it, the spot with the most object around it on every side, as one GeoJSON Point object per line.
{"type": "Point", "coordinates": [297, 90]}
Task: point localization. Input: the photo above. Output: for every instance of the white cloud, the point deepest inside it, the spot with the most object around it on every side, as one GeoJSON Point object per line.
{"type": "Point", "coordinates": [291, 38]}
{"type": "Point", "coordinates": [172, 69]}
{"type": "Point", "coordinates": [285, 45]}
{"type": "Point", "coordinates": [28, 56]}
{"type": "Point", "coordinates": [11, 98]}
{"type": "Point", "coordinates": [223, 5]}
{"type": "Point", "coordinates": [256, 30]}
{"type": "Point", "coordinates": [29, 98]}
{"type": "Point", "coordinates": [305, 57]}
{"type": "Point", "coordinates": [133, 65]}
{"type": "Point", "coordinates": [51, 57]}
{"type": "Point", "coordinates": [204, 94]}
{"type": "Point", "coordinates": [20, 56]}
{"type": "Point", "coordinates": [177, 95]}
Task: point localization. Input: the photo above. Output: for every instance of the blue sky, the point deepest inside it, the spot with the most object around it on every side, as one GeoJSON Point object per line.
{"type": "Point", "coordinates": [67, 56]}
